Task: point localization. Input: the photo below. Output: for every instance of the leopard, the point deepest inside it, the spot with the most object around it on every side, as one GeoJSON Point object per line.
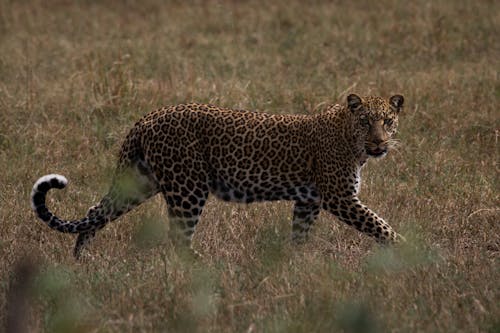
{"type": "Point", "coordinates": [189, 151]}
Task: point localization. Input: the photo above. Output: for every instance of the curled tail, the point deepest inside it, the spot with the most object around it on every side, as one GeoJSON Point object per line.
{"type": "Point", "coordinates": [129, 189]}
{"type": "Point", "coordinates": [86, 227]}
{"type": "Point", "coordinates": [38, 196]}
{"type": "Point", "coordinates": [132, 184]}
{"type": "Point", "coordinates": [126, 192]}
{"type": "Point", "coordinates": [94, 220]}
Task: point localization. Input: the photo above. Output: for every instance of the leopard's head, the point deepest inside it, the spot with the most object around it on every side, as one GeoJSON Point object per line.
{"type": "Point", "coordinates": [376, 121]}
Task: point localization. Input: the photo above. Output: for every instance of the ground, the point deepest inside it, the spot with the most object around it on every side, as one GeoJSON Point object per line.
{"type": "Point", "coordinates": [74, 76]}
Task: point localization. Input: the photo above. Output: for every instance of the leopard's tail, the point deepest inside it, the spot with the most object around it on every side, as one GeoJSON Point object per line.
{"type": "Point", "coordinates": [131, 186]}
{"type": "Point", "coordinates": [38, 196]}
{"type": "Point", "coordinates": [129, 189]}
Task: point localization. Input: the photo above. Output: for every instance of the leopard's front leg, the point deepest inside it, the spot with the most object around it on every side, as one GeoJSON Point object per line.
{"type": "Point", "coordinates": [351, 211]}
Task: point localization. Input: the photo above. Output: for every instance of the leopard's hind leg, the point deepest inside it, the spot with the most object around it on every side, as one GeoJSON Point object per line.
{"type": "Point", "coordinates": [82, 240]}
{"type": "Point", "coordinates": [132, 184]}
{"type": "Point", "coordinates": [304, 215]}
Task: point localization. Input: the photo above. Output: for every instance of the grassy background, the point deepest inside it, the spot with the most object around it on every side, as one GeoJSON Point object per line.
{"type": "Point", "coordinates": [75, 75]}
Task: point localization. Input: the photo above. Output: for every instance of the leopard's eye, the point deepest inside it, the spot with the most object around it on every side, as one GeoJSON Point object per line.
{"type": "Point", "coordinates": [388, 122]}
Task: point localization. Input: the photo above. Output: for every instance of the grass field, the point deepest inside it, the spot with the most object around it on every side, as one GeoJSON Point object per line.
{"type": "Point", "coordinates": [75, 76]}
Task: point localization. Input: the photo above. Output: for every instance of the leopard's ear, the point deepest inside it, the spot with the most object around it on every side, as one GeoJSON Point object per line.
{"type": "Point", "coordinates": [354, 102]}
{"type": "Point", "coordinates": [397, 102]}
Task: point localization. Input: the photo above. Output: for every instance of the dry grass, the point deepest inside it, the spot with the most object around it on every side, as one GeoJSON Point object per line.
{"type": "Point", "coordinates": [74, 76]}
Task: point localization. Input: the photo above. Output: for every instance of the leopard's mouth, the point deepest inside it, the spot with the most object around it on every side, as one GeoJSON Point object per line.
{"type": "Point", "coordinates": [376, 152]}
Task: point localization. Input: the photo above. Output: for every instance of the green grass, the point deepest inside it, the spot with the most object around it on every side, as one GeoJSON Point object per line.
{"type": "Point", "coordinates": [74, 76]}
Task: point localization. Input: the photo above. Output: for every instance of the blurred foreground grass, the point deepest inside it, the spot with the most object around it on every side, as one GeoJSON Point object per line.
{"type": "Point", "coordinates": [74, 76]}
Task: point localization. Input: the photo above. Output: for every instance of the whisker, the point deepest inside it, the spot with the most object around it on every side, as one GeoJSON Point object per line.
{"type": "Point", "coordinates": [392, 143]}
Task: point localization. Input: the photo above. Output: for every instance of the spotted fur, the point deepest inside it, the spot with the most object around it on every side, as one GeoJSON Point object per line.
{"type": "Point", "coordinates": [190, 150]}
